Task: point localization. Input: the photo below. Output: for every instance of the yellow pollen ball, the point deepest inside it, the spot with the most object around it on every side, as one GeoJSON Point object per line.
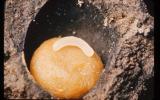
{"type": "Point", "coordinates": [67, 73]}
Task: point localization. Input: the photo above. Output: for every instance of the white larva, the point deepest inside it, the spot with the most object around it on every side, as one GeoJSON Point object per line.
{"type": "Point", "coordinates": [73, 41]}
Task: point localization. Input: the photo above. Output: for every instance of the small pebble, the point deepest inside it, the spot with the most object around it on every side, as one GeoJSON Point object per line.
{"type": "Point", "coordinates": [111, 20]}
{"type": "Point", "coordinates": [103, 51]}
{"type": "Point", "coordinates": [16, 15]}
{"type": "Point", "coordinates": [74, 32]}
{"type": "Point", "coordinates": [139, 25]}
{"type": "Point", "coordinates": [93, 40]}
{"type": "Point", "coordinates": [146, 32]}
{"type": "Point", "coordinates": [80, 3]}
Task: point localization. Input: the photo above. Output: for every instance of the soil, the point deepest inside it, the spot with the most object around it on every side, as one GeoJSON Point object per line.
{"type": "Point", "coordinates": [121, 31]}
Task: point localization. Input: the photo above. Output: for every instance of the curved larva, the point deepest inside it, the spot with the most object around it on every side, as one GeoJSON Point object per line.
{"type": "Point", "coordinates": [73, 41]}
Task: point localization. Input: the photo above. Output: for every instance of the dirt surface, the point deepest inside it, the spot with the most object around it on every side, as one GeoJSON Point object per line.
{"type": "Point", "coordinates": [121, 31]}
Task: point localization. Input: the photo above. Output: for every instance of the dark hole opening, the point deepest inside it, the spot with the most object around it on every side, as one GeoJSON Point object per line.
{"type": "Point", "coordinates": [66, 18]}
{"type": "Point", "coordinates": [149, 93]}
{"type": "Point", "coordinates": [150, 6]}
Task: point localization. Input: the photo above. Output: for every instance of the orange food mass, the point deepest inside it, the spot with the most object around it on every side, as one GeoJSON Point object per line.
{"type": "Point", "coordinates": [66, 73]}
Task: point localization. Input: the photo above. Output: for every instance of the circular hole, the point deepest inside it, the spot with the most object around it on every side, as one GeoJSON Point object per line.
{"type": "Point", "coordinates": [66, 18]}
{"type": "Point", "coordinates": [62, 18]}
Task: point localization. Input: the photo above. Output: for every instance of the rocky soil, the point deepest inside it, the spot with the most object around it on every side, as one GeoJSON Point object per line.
{"type": "Point", "coordinates": [129, 68]}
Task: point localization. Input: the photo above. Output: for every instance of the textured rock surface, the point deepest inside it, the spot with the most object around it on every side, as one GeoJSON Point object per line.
{"type": "Point", "coordinates": [130, 70]}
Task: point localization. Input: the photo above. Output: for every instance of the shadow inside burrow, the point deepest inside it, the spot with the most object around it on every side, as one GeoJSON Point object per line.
{"type": "Point", "coordinates": [148, 93]}
{"type": "Point", "coordinates": [150, 6]}
{"type": "Point", "coordinates": [66, 18]}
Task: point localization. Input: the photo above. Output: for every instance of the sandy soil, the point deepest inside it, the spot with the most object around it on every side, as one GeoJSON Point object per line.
{"type": "Point", "coordinates": [121, 31]}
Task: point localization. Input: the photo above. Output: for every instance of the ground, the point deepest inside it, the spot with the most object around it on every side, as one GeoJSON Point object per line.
{"type": "Point", "coordinates": [124, 41]}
